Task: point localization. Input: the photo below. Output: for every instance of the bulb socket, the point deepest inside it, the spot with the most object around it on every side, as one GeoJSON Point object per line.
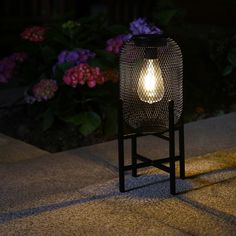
{"type": "Point", "coordinates": [150, 53]}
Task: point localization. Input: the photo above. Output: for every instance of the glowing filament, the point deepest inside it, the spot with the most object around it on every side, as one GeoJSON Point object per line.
{"type": "Point", "coordinates": [150, 84]}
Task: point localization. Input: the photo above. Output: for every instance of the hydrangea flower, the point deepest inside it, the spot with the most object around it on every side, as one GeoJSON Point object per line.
{"type": "Point", "coordinates": [141, 26]}
{"type": "Point", "coordinates": [8, 66]}
{"type": "Point", "coordinates": [75, 57]}
{"type": "Point", "coordinates": [29, 99]}
{"type": "Point", "coordinates": [83, 74]}
{"type": "Point", "coordinates": [44, 90]}
{"type": "Point", "coordinates": [114, 44]}
{"type": "Point", "coordinates": [34, 34]}
{"type": "Point", "coordinates": [137, 27]}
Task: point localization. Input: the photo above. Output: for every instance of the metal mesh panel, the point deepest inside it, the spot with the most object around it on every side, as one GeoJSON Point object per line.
{"type": "Point", "coordinates": [147, 109]}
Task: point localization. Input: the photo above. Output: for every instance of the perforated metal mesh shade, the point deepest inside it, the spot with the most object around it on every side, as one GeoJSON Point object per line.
{"type": "Point", "coordinates": [148, 82]}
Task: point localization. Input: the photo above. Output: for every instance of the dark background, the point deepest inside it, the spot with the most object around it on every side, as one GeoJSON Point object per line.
{"type": "Point", "coordinates": [198, 11]}
{"type": "Point", "coordinates": [16, 14]}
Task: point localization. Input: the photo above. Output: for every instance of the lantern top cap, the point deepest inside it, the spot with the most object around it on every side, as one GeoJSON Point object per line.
{"type": "Point", "coordinates": [150, 40]}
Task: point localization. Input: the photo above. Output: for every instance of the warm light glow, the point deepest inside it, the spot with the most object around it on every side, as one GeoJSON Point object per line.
{"type": "Point", "coordinates": [150, 84]}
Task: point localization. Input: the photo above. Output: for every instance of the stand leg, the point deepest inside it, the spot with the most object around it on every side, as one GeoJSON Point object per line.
{"type": "Point", "coordinates": [121, 149]}
{"type": "Point", "coordinates": [134, 155]}
{"type": "Point", "coordinates": [172, 147]}
{"type": "Point", "coordinates": [181, 150]}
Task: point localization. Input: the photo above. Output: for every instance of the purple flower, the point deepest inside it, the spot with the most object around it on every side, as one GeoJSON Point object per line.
{"type": "Point", "coordinates": [7, 69]}
{"type": "Point", "coordinates": [3, 79]}
{"type": "Point", "coordinates": [85, 55]}
{"type": "Point", "coordinates": [137, 27]}
{"type": "Point", "coordinates": [114, 45]}
{"type": "Point", "coordinates": [8, 66]}
{"type": "Point", "coordinates": [74, 57]}
{"type": "Point", "coordinates": [141, 26]}
{"type": "Point", "coordinates": [62, 57]}
{"type": "Point", "coordinates": [30, 99]}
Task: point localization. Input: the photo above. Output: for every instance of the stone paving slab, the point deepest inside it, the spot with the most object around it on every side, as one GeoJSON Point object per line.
{"type": "Point", "coordinates": [205, 204]}
{"type": "Point", "coordinates": [201, 137]}
{"type": "Point", "coordinates": [31, 180]}
{"type": "Point", "coordinates": [44, 173]}
{"type": "Point", "coordinates": [43, 179]}
{"type": "Point", "coordinates": [12, 150]}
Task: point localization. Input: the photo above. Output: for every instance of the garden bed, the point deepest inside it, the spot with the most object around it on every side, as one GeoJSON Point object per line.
{"type": "Point", "coordinates": [61, 136]}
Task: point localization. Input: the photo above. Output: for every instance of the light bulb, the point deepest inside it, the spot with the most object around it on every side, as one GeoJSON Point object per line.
{"type": "Point", "coordinates": [150, 85]}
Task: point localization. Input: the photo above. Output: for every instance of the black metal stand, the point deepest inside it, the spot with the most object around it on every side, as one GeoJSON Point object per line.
{"type": "Point", "coordinates": [145, 162]}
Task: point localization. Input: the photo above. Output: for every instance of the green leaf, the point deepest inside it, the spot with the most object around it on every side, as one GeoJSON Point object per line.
{"type": "Point", "coordinates": [228, 70]}
{"type": "Point", "coordinates": [88, 121]}
{"type": "Point", "coordinates": [65, 66]}
{"type": "Point", "coordinates": [48, 119]}
{"type": "Point", "coordinates": [95, 62]}
{"type": "Point", "coordinates": [60, 71]}
{"type": "Point", "coordinates": [110, 125]}
{"type": "Point", "coordinates": [232, 58]}
{"type": "Point", "coordinates": [104, 60]}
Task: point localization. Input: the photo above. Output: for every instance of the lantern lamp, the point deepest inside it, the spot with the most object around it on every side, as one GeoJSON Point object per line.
{"type": "Point", "coordinates": [151, 102]}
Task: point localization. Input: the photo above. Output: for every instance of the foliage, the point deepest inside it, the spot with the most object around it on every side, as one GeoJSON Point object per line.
{"type": "Point", "coordinates": [52, 51]}
{"type": "Point", "coordinates": [71, 71]}
{"type": "Point", "coordinates": [223, 54]}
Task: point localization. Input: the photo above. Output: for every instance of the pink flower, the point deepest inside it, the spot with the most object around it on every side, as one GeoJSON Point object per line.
{"type": "Point", "coordinates": [45, 89]}
{"type": "Point", "coordinates": [91, 83]}
{"type": "Point", "coordinates": [71, 77]}
{"type": "Point", "coordinates": [83, 74]}
{"type": "Point", "coordinates": [34, 34]}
